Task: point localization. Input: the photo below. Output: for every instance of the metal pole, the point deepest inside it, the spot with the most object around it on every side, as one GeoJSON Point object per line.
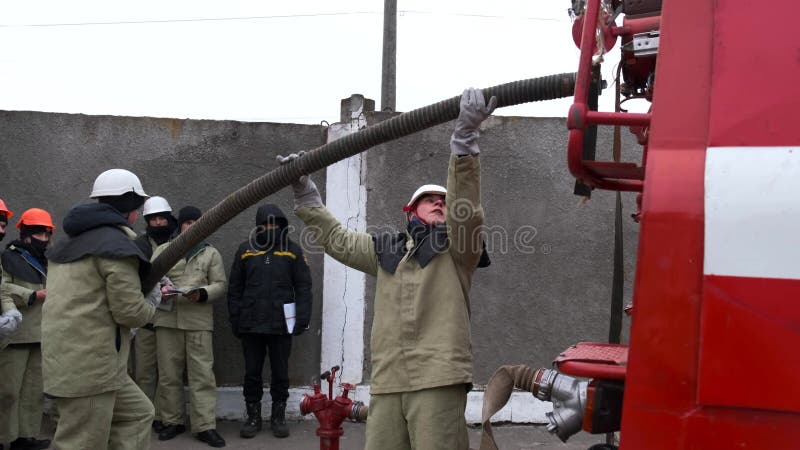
{"type": "Point", "coordinates": [389, 72]}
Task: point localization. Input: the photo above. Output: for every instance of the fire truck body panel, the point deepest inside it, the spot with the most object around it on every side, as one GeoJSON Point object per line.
{"type": "Point", "coordinates": [716, 323]}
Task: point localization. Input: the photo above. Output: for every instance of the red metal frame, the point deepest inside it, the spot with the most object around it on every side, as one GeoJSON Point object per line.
{"type": "Point", "coordinates": [580, 116]}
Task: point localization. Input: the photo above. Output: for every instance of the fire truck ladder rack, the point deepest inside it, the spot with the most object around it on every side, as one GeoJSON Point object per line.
{"type": "Point", "coordinates": [617, 176]}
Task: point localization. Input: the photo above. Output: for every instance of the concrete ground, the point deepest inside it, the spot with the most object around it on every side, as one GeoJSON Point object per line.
{"type": "Point", "coordinates": [303, 436]}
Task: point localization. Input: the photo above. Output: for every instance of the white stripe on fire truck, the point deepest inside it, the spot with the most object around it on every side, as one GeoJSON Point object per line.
{"type": "Point", "coordinates": [752, 212]}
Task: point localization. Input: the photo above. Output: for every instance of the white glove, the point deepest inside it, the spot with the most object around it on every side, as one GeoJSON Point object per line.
{"type": "Point", "coordinates": [306, 194]}
{"type": "Point", "coordinates": [474, 110]}
{"type": "Point", "coordinates": [9, 322]}
{"type": "Point", "coordinates": [154, 297]}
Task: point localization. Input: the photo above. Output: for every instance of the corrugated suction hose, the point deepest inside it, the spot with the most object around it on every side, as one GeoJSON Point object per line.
{"type": "Point", "coordinates": [514, 93]}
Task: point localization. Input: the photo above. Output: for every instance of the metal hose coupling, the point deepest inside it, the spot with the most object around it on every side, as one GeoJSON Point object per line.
{"type": "Point", "coordinates": [358, 412]}
{"type": "Point", "coordinates": [568, 395]}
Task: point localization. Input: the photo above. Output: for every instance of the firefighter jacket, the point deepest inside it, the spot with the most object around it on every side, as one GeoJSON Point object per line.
{"type": "Point", "coordinates": [23, 275]}
{"type": "Point", "coordinates": [262, 281]}
{"type": "Point", "coordinates": [94, 298]}
{"type": "Point", "coordinates": [421, 330]}
{"type": "Point", "coordinates": [201, 268]}
{"type": "Point", "coordinates": [146, 244]}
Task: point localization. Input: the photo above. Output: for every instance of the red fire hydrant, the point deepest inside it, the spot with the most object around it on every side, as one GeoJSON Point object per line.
{"type": "Point", "coordinates": [331, 412]}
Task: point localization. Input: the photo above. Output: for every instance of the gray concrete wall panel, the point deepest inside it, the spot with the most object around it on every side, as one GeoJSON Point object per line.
{"type": "Point", "coordinates": [51, 160]}
{"type": "Point", "coordinates": [549, 284]}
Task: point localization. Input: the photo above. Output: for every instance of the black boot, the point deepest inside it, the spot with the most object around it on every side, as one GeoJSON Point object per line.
{"type": "Point", "coordinates": [29, 444]}
{"type": "Point", "coordinates": [157, 426]}
{"type": "Point", "coordinates": [169, 431]}
{"type": "Point", "coordinates": [278, 420]}
{"type": "Point", "coordinates": [211, 437]}
{"type": "Point", "coordinates": [253, 423]}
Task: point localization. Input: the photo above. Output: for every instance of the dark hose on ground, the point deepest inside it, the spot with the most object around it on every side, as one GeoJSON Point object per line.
{"type": "Point", "coordinates": [509, 94]}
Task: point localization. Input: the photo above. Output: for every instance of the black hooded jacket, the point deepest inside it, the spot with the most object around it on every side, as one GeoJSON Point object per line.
{"type": "Point", "coordinates": [93, 229]}
{"type": "Point", "coordinates": [265, 275]}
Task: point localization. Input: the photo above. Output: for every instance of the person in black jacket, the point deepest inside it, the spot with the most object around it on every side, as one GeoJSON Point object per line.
{"type": "Point", "coordinates": [269, 277]}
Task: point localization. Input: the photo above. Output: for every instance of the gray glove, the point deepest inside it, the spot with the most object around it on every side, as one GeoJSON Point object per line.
{"type": "Point", "coordinates": [474, 110]}
{"type": "Point", "coordinates": [9, 322]}
{"type": "Point", "coordinates": [306, 194]}
{"type": "Point", "coordinates": [154, 297]}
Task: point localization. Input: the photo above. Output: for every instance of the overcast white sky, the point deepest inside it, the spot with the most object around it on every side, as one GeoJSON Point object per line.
{"type": "Point", "coordinates": [272, 61]}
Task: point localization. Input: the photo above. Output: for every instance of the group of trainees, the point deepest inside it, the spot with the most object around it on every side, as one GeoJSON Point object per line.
{"type": "Point", "coordinates": [70, 310]}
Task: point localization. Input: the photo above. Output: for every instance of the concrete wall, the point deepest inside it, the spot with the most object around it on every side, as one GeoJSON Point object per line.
{"type": "Point", "coordinates": [548, 287]}
{"type": "Point", "coordinates": [51, 160]}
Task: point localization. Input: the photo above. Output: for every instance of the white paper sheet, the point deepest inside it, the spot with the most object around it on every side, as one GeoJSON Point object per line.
{"type": "Point", "coordinates": [289, 313]}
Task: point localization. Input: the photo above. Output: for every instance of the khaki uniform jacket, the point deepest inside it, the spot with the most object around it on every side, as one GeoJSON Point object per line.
{"type": "Point", "coordinates": [92, 303]}
{"type": "Point", "coordinates": [421, 331]}
{"type": "Point", "coordinates": [14, 294]}
{"type": "Point", "coordinates": [203, 269]}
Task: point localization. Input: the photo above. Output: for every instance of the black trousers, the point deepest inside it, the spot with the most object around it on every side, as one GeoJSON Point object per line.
{"type": "Point", "coordinates": [255, 347]}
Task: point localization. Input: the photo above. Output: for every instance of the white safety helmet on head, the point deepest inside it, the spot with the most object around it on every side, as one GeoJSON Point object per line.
{"type": "Point", "coordinates": [155, 205]}
{"type": "Point", "coordinates": [114, 182]}
{"type": "Point", "coordinates": [424, 190]}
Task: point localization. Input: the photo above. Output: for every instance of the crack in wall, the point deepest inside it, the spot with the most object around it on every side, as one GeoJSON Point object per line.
{"type": "Point", "coordinates": [352, 222]}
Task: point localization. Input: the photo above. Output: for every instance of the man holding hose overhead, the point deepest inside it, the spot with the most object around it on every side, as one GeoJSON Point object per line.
{"type": "Point", "coordinates": [420, 340]}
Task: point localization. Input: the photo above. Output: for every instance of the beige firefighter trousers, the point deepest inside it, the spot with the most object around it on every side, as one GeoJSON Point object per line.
{"type": "Point", "coordinates": [430, 419]}
{"type": "Point", "coordinates": [191, 349]}
{"type": "Point", "coordinates": [116, 420]}
{"type": "Point", "coordinates": [21, 397]}
{"type": "Point", "coordinates": [146, 367]}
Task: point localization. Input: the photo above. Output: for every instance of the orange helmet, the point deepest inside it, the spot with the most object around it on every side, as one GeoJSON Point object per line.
{"type": "Point", "coordinates": [36, 217]}
{"type": "Point", "coordinates": [4, 209]}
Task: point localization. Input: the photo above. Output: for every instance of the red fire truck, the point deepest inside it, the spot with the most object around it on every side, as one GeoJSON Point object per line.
{"type": "Point", "coordinates": [713, 355]}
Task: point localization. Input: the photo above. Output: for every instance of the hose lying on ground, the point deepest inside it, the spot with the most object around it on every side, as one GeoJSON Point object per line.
{"type": "Point", "coordinates": [497, 393]}
{"type": "Point", "coordinates": [514, 93]}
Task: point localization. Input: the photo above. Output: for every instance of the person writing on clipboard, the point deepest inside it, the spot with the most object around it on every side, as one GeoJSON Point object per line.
{"type": "Point", "coordinates": [184, 324]}
{"type": "Point", "coordinates": [269, 283]}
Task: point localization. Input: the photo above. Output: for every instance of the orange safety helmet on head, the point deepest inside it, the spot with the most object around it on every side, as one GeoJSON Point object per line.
{"type": "Point", "coordinates": [4, 209]}
{"type": "Point", "coordinates": [36, 217]}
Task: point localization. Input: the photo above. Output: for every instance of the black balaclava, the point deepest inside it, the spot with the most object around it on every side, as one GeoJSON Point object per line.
{"type": "Point", "coordinates": [269, 214]}
{"type": "Point", "coordinates": [268, 238]}
{"type": "Point", "coordinates": [161, 234]}
{"type": "Point", "coordinates": [36, 247]}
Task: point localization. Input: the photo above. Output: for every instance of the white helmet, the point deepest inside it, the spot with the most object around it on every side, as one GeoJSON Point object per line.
{"type": "Point", "coordinates": [424, 190]}
{"type": "Point", "coordinates": [155, 205]}
{"type": "Point", "coordinates": [114, 182]}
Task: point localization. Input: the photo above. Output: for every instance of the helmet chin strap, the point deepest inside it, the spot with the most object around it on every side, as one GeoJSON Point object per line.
{"type": "Point", "coordinates": [413, 212]}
